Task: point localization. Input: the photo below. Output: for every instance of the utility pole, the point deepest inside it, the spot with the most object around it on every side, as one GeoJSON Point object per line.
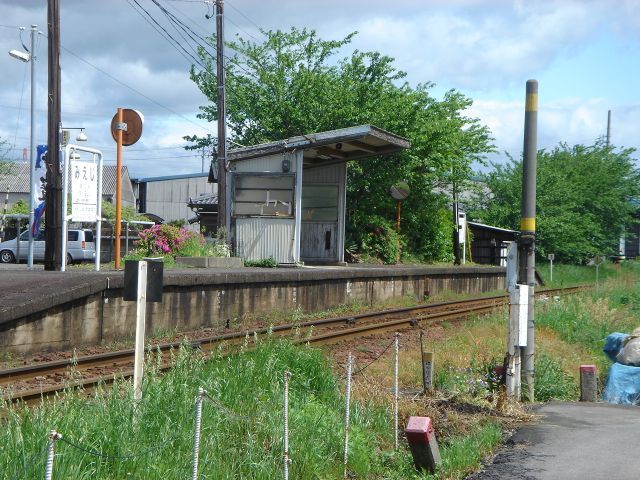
{"type": "Point", "coordinates": [527, 255]}
{"type": "Point", "coordinates": [222, 124]}
{"type": "Point", "coordinates": [53, 206]}
{"type": "Point", "coordinates": [608, 127]}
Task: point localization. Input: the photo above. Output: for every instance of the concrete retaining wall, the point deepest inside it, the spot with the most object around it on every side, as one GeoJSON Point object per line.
{"type": "Point", "coordinates": [216, 299]}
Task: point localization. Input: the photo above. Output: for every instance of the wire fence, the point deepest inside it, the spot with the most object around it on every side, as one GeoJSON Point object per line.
{"type": "Point", "coordinates": [57, 439]}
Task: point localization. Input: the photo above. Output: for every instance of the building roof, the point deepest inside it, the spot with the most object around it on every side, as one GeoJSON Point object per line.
{"type": "Point", "coordinates": [490, 227]}
{"type": "Point", "coordinates": [170, 177]}
{"type": "Point", "coordinates": [335, 145]}
{"type": "Point", "coordinates": [203, 201]}
{"type": "Point", "coordinates": [17, 179]}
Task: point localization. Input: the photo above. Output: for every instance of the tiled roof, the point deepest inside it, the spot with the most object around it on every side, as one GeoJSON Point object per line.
{"type": "Point", "coordinates": [204, 201]}
{"type": "Point", "coordinates": [17, 178]}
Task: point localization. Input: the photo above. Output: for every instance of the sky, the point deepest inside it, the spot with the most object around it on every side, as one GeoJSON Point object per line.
{"type": "Point", "coordinates": [585, 54]}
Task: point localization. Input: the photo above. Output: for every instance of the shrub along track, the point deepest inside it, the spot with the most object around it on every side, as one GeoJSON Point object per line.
{"type": "Point", "coordinates": [33, 382]}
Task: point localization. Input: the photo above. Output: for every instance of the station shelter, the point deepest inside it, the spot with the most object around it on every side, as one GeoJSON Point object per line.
{"type": "Point", "coordinates": [287, 199]}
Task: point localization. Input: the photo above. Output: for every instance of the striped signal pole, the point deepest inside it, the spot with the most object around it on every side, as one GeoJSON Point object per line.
{"type": "Point", "coordinates": [527, 256]}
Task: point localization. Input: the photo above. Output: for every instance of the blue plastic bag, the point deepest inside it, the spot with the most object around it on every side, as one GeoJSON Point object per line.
{"type": "Point", "coordinates": [623, 382]}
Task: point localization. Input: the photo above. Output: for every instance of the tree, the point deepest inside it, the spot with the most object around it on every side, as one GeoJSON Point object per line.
{"type": "Point", "coordinates": [291, 84]}
{"type": "Point", "coordinates": [586, 198]}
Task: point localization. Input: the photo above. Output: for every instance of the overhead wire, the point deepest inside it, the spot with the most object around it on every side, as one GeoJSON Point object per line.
{"type": "Point", "coordinates": [120, 82]}
{"type": "Point", "coordinates": [175, 43]}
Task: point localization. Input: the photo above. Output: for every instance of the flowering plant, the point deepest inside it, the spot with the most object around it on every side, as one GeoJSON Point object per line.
{"type": "Point", "coordinates": [166, 240]}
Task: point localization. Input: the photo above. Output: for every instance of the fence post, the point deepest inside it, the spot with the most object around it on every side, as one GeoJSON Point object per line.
{"type": "Point", "coordinates": [141, 310]}
{"type": "Point", "coordinates": [286, 424]}
{"type": "Point", "coordinates": [395, 389]}
{"type": "Point", "coordinates": [196, 439]}
{"type": "Point", "coordinates": [346, 415]}
{"type": "Point", "coordinates": [53, 437]}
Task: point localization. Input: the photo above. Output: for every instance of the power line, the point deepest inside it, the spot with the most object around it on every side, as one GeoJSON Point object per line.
{"type": "Point", "coordinates": [175, 43]}
{"type": "Point", "coordinates": [133, 89]}
{"type": "Point", "coordinates": [247, 18]}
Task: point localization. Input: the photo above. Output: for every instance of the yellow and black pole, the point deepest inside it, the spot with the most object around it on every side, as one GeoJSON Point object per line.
{"type": "Point", "coordinates": [527, 256]}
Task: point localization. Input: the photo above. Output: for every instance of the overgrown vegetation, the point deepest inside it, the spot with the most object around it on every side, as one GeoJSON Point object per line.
{"type": "Point", "coordinates": [294, 83]}
{"type": "Point", "coordinates": [241, 426]}
{"type": "Point", "coordinates": [263, 263]}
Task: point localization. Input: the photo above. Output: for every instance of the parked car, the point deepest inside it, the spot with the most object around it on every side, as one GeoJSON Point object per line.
{"type": "Point", "coordinates": [80, 247]}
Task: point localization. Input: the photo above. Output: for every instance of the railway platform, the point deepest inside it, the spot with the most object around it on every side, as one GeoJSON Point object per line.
{"type": "Point", "coordinates": [56, 310]}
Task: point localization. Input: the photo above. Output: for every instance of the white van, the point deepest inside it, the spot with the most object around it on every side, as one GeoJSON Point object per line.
{"type": "Point", "coordinates": [80, 247]}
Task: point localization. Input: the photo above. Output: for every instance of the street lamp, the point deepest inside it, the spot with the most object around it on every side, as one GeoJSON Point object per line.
{"type": "Point", "coordinates": [30, 57]}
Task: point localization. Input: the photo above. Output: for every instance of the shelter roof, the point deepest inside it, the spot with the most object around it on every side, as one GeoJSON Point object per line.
{"type": "Point", "coordinates": [482, 226]}
{"type": "Point", "coordinates": [333, 146]}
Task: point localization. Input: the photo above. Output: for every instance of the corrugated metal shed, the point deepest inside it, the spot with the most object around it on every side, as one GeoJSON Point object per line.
{"type": "Point", "coordinates": [287, 198]}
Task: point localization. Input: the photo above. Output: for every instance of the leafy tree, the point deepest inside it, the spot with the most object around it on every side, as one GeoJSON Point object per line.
{"type": "Point", "coordinates": [586, 198]}
{"type": "Point", "coordinates": [20, 207]}
{"type": "Point", "coordinates": [292, 84]}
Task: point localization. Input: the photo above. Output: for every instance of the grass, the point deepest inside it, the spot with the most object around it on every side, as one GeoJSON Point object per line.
{"type": "Point", "coordinates": [242, 427]}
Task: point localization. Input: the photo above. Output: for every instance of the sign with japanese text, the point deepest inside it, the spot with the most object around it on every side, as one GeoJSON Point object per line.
{"type": "Point", "coordinates": [84, 191]}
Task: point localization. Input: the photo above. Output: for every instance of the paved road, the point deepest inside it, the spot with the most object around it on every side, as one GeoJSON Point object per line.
{"type": "Point", "coordinates": [585, 441]}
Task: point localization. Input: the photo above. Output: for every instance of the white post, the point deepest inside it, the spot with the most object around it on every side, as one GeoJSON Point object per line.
{"type": "Point", "coordinates": [65, 192]}
{"type": "Point", "coordinates": [346, 415]}
{"type": "Point", "coordinates": [53, 437]}
{"type": "Point", "coordinates": [98, 238]}
{"type": "Point", "coordinates": [551, 270]}
{"type": "Point", "coordinates": [513, 351]}
{"type": "Point", "coordinates": [286, 425]}
{"type": "Point", "coordinates": [196, 440]}
{"type": "Point", "coordinates": [32, 145]}
{"type": "Point", "coordinates": [141, 310]}
{"type": "Point", "coordinates": [395, 389]}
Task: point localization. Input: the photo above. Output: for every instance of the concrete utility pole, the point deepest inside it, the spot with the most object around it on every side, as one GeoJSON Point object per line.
{"type": "Point", "coordinates": [526, 248]}
{"type": "Point", "coordinates": [608, 127]}
{"type": "Point", "coordinates": [222, 124]}
{"type": "Point", "coordinates": [53, 198]}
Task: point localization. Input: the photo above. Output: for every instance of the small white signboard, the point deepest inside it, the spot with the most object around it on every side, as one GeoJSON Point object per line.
{"type": "Point", "coordinates": [84, 191]}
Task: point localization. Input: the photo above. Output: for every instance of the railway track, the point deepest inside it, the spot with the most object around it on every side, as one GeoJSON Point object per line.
{"type": "Point", "coordinates": [33, 382]}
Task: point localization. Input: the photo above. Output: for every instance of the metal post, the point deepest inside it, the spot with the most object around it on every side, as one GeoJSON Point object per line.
{"type": "Point", "coordinates": [4, 215]}
{"type": "Point", "coordinates": [286, 425]}
{"type": "Point", "coordinates": [551, 270]}
{"type": "Point", "coordinates": [395, 389]}
{"type": "Point", "coordinates": [118, 186]}
{"type": "Point", "coordinates": [608, 127]}
{"type": "Point", "coordinates": [126, 234]}
{"type": "Point", "coordinates": [53, 438]}
{"type": "Point", "coordinates": [67, 152]}
{"type": "Point", "coordinates": [53, 251]}
{"type": "Point", "coordinates": [141, 309]}
{"type": "Point", "coordinates": [222, 126]}
{"type": "Point", "coordinates": [528, 229]}
{"type": "Point", "coordinates": [346, 415]}
{"type": "Point", "coordinates": [196, 440]}
{"type": "Point", "coordinates": [99, 212]}
{"type": "Point", "coordinates": [32, 158]}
